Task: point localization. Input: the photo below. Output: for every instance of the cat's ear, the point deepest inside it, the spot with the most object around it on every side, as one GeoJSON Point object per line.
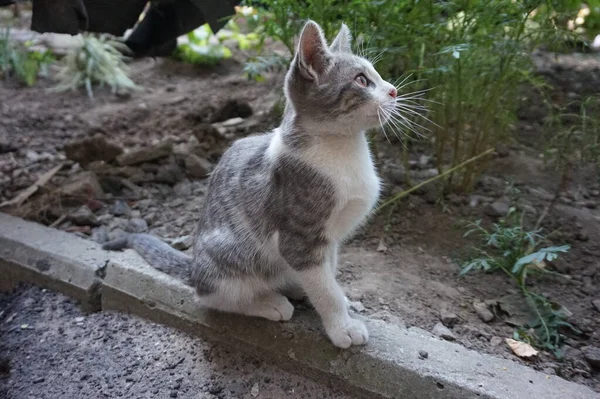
{"type": "Point", "coordinates": [313, 55]}
{"type": "Point", "coordinates": [343, 41]}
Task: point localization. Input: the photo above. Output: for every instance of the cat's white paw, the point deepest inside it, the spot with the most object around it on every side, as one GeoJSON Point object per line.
{"type": "Point", "coordinates": [350, 332]}
{"type": "Point", "coordinates": [275, 307]}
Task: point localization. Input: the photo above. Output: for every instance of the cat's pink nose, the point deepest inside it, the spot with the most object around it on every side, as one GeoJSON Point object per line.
{"type": "Point", "coordinates": [393, 93]}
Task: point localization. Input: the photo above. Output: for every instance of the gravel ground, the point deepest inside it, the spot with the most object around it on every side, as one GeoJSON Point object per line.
{"type": "Point", "coordinates": [50, 349]}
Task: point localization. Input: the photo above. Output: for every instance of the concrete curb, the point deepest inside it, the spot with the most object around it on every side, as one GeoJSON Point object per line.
{"type": "Point", "coordinates": [389, 366]}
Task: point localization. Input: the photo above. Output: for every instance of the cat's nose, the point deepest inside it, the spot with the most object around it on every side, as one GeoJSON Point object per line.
{"type": "Point", "coordinates": [393, 92]}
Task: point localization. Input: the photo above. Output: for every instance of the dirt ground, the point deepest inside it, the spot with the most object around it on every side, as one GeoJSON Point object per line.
{"type": "Point", "coordinates": [402, 267]}
{"type": "Point", "coordinates": [49, 349]}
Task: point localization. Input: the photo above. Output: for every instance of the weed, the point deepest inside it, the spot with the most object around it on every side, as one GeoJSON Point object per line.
{"type": "Point", "coordinates": [97, 61]}
{"type": "Point", "coordinates": [517, 252]}
{"type": "Point", "coordinates": [471, 55]}
{"type": "Point", "coordinates": [22, 62]}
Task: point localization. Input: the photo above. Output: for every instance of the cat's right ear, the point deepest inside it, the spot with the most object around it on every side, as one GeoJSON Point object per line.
{"type": "Point", "coordinates": [313, 55]}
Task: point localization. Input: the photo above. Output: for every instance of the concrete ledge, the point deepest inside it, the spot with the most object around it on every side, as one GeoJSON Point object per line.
{"type": "Point", "coordinates": [32, 253]}
{"type": "Point", "coordinates": [389, 366]}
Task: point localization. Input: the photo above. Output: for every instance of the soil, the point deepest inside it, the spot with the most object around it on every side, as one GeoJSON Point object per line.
{"type": "Point", "coordinates": [403, 267]}
{"type": "Point", "coordinates": [49, 349]}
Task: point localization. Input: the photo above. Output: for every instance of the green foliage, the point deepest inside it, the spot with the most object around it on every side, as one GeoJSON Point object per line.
{"type": "Point", "coordinates": [474, 55]}
{"type": "Point", "coordinates": [509, 248]}
{"type": "Point", "coordinates": [21, 62]}
{"type": "Point", "coordinates": [202, 46]}
{"type": "Point", "coordinates": [98, 61]}
{"type": "Point", "coordinates": [575, 136]}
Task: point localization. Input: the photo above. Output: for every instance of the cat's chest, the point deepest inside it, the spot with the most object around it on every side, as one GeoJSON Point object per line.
{"type": "Point", "coordinates": [356, 185]}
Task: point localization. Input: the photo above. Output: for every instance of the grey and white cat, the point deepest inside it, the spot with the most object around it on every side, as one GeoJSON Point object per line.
{"type": "Point", "coordinates": [279, 205]}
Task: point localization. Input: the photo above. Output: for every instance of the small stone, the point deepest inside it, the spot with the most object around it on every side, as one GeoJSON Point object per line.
{"type": "Point", "coordinates": [443, 332]}
{"type": "Point", "coordinates": [592, 355]}
{"type": "Point", "coordinates": [497, 208]}
{"type": "Point", "coordinates": [197, 166]}
{"type": "Point", "coordinates": [169, 174]}
{"type": "Point", "coordinates": [182, 243]}
{"type": "Point", "coordinates": [183, 188]}
{"type": "Point", "coordinates": [423, 355]}
{"type": "Point", "coordinates": [82, 186]}
{"type": "Point", "coordinates": [173, 394]}
{"type": "Point", "coordinates": [91, 149]}
{"type": "Point", "coordinates": [100, 234]}
{"type": "Point", "coordinates": [496, 341]}
{"type": "Point", "coordinates": [120, 208]}
{"type": "Point", "coordinates": [79, 319]}
{"type": "Point", "coordinates": [84, 217]}
{"type": "Point", "coordinates": [232, 122]}
{"type": "Point", "coordinates": [448, 319]}
{"type": "Point", "coordinates": [146, 154]}
{"type": "Point", "coordinates": [39, 380]}
{"type": "Point", "coordinates": [32, 156]}
{"type": "Point", "coordinates": [596, 303]}
{"type": "Point", "coordinates": [136, 225]}
{"type": "Point", "coordinates": [484, 313]}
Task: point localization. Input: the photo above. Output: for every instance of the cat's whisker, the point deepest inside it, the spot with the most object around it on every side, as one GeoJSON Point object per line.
{"type": "Point", "coordinates": [416, 113]}
{"type": "Point", "coordinates": [382, 127]}
{"type": "Point", "coordinates": [409, 124]}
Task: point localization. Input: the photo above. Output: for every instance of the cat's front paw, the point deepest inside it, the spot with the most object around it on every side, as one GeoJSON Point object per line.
{"type": "Point", "coordinates": [347, 333]}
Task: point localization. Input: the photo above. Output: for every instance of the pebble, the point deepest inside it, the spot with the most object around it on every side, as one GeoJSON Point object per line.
{"type": "Point", "coordinates": [357, 306]}
{"type": "Point", "coordinates": [196, 166]}
{"type": "Point", "coordinates": [100, 234]}
{"type": "Point", "coordinates": [173, 394]}
{"type": "Point", "coordinates": [497, 208]}
{"type": "Point", "coordinates": [137, 225]}
{"type": "Point", "coordinates": [484, 313]}
{"type": "Point", "coordinates": [120, 208]}
{"type": "Point", "coordinates": [182, 243]}
{"type": "Point", "coordinates": [596, 303]}
{"type": "Point", "coordinates": [496, 341]}
{"type": "Point", "coordinates": [448, 319]}
{"type": "Point", "coordinates": [423, 354]}
{"type": "Point", "coordinates": [443, 332]}
{"type": "Point", "coordinates": [592, 355]}
{"type": "Point", "coordinates": [84, 217]}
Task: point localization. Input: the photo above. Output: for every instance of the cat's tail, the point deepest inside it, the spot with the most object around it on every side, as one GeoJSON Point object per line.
{"type": "Point", "coordinates": [157, 253]}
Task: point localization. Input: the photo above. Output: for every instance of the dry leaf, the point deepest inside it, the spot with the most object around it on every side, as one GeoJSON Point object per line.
{"type": "Point", "coordinates": [521, 349]}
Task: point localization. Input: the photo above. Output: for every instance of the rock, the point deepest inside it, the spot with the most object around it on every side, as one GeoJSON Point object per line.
{"type": "Point", "coordinates": [169, 174]}
{"type": "Point", "coordinates": [596, 303]}
{"type": "Point", "coordinates": [100, 234]}
{"type": "Point", "coordinates": [82, 186]}
{"type": "Point", "coordinates": [84, 217]}
{"type": "Point", "coordinates": [232, 109]}
{"type": "Point", "coordinates": [182, 243]}
{"type": "Point", "coordinates": [91, 149]}
{"type": "Point", "coordinates": [6, 147]}
{"type": "Point", "coordinates": [448, 319]}
{"type": "Point", "coordinates": [32, 156]}
{"type": "Point", "coordinates": [232, 122]}
{"type": "Point", "coordinates": [136, 225]}
{"type": "Point", "coordinates": [423, 355]}
{"type": "Point", "coordinates": [484, 313]}
{"type": "Point", "coordinates": [496, 341]}
{"type": "Point", "coordinates": [173, 394]}
{"type": "Point", "coordinates": [476, 200]}
{"type": "Point", "coordinates": [117, 233]}
{"type": "Point", "coordinates": [497, 208]}
{"type": "Point", "coordinates": [592, 355]}
{"type": "Point", "coordinates": [196, 166]}
{"type": "Point", "coordinates": [206, 131]}
{"type": "Point", "coordinates": [443, 332]}
{"type": "Point", "coordinates": [146, 154]}
{"type": "Point", "coordinates": [120, 208]}
{"type": "Point", "coordinates": [183, 188]}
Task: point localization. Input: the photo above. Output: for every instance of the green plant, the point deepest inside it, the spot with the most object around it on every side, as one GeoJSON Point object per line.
{"type": "Point", "coordinates": [21, 61]}
{"type": "Point", "coordinates": [97, 61]}
{"type": "Point", "coordinates": [472, 55]}
{"type": "Point", "coordinates": [202, 46]}
{"type": "Point", "coordinates": [517, 252]}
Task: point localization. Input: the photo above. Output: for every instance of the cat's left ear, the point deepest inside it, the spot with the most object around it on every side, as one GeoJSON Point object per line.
{"type": "Point", "coordinates": [343, 41]}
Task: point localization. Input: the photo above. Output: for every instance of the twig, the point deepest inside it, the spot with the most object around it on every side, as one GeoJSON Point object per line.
{"type": "Point", "coordinates": [423, 183]}
{"type": "Point", "coordinates": [58, 221]}
{"type": "Point", "coordinates": [29, 191]}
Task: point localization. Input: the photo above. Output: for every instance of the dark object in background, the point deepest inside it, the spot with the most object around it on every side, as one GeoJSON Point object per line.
{"type": "Point", "coordinates": [156, 35]}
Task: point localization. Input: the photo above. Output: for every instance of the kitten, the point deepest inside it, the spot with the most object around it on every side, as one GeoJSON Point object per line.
{"type": "Point", "coordinates": [279, 205]}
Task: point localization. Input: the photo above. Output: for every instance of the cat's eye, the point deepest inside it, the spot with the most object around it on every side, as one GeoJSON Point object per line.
{"type": "Point", "coordinates": [362, 80]}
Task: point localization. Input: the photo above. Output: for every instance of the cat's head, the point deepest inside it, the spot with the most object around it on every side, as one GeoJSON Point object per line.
{"type": "Point", "coordinates": [329, 86]}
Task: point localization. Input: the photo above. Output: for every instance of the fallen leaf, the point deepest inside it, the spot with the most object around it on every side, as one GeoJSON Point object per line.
{"type": "Point", "coordinates": [521, 349]}
{"type": "Point", "coordinates": [254, 392]}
